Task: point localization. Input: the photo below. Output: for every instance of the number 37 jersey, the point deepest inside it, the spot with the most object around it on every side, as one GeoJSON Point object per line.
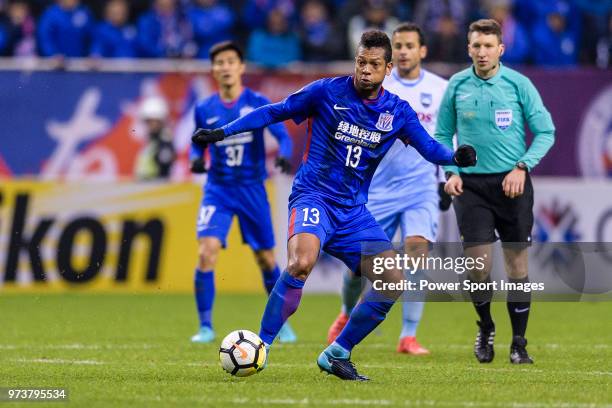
{"type": "Point", "coordinates": [239, 159]}
{"type": "Point", "coordinates": [348, 137]}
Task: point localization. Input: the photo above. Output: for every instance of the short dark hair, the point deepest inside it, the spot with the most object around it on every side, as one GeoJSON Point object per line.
{"type": "Point", "coordinates": [377, 39]}
{"type": "Point", "coordinates": [486, 26]}
{"type": "Point", "coordinates": [225, 46]}
{"type": "Point", "coordinates": [411, 27]}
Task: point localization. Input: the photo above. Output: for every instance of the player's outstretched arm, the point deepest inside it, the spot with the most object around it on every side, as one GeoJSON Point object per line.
{"type": "Point", "coordinates": [465, 156]}
{"type": "Point", "coordinates": [257, 119]}
{"type": "Point", "coordinates": [436, 152]}
{"type": "Point", "coordinates": [280, 133]}
{"type": "Point", "coordinates": [297, 106]}
{"type": "Point", "coordinates": [432, 150]}
{"type": "Point", "coordinates": [414, 134]}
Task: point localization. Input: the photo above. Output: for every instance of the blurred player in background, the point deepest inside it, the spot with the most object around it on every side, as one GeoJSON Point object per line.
{"type": "Point", "coordinates": [352, 123]}
{"type": "Point", "coordinates": [156, 158]}
{"type": "Point", "coordinates": [404, 190]}
{"type": "Point", "coordinates": [235, 183]}
{"type": "Point", "coordinates": [488, 105]}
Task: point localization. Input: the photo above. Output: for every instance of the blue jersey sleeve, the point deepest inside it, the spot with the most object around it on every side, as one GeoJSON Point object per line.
{"type": "Point", "coordinates": [415, 135]}
{"type": "Point", "coordinates": [297, 106]}
{"type": "Point", "coordinates": [279, 131]}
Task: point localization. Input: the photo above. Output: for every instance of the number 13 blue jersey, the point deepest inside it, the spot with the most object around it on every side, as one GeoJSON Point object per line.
{"type": "Point", "coordinates": [347, 136]}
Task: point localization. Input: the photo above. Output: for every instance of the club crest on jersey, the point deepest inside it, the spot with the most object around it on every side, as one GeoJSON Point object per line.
{"type": "Point", "coordinates": [503, 118]}
{"type": "Point", "coordinates": [426, 99]}
{"type": "Point", "coordinates": [385, 122]}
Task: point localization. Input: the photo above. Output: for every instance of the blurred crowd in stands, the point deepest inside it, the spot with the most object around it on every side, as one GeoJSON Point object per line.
{"type": "Point", "coordinates": [275, 33]}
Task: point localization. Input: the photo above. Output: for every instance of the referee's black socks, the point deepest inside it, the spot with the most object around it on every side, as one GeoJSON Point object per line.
{"type": "Point", "coordinates": [519, 303]}
{"type": "Point", "coordinates": [482, 302]}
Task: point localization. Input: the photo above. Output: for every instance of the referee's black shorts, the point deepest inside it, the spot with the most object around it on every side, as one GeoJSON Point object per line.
{"type": "Point", "coordinates": [483, 209]}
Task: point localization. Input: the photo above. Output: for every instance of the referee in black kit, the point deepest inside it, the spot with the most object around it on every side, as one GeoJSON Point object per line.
{"type": "Point", "coordinates": [487, 105]}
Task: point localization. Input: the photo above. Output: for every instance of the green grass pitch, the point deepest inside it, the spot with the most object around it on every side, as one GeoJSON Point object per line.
{"type": "Point", "coordinates": [134, 350]}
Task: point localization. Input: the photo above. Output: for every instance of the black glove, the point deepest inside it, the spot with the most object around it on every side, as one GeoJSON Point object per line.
{"type": "Point", "coordinates": [445, 199]}
{"type": "Point", "coordinates": [203, 136]}
{"type": "Point", "coordinates": [283, 164]}
{"type": "Point", "coordinates": [198, 166]}
{"type": "Point", "coordinates": [465, 156]}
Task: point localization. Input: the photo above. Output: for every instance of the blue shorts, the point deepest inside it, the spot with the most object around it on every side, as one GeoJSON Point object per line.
{"type": "Point", "coordinates": [249, 202]}
{"type": "Point", "coordinates": [348, 233]}
{"type": "Point", "coordinates": [415, 214]}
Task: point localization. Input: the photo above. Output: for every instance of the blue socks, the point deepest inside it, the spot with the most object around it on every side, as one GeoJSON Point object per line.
{"type": "Point", "coordinates": [205, 295]}
{"type": "Point", "coordinates": [366, 316]}
{"type": "Point", "coordinates": [270, 278]}
{"type": "Point", "coordinates": [205, 291]}
{"type": "Point", "coordinates": [282, 303]}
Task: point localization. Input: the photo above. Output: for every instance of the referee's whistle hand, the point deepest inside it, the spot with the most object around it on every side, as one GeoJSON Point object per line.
{"type": "Point", "coordinates": [454, 186]}
{"type": "Point", "coordinates": [465, 156]}
{"type": "Point", "coordinates": [202, 137]}
{"type": "Point", "coordinates": [514, 183]}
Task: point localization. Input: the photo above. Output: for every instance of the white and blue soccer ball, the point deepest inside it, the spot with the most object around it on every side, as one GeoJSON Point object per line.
{"type": "Point", "coordinates": [242, 353]}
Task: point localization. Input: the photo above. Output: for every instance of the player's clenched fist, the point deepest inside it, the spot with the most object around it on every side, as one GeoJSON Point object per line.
{"type": "Point", "coordinates": [465, 156]}
{"type": "Point", "coordinates": [203, 136]}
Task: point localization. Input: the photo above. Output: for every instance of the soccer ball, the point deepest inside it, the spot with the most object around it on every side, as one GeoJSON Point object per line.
{"type": "Point", "coordinates": [242, 353]}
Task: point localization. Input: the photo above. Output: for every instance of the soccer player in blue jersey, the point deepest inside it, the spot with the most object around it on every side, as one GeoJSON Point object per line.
{"type": "Point", "coordinates": [352, 123]}
{"type": "Point", "coordinates": [235, 183]}
{"type": "Point", "coordinates": [404, 192]}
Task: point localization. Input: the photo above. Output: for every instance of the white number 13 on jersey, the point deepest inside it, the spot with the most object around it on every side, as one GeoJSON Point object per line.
{"type": "Point", "coordinates": [353, 155]}
{"type": "Point", "coordinates": [311, 217]}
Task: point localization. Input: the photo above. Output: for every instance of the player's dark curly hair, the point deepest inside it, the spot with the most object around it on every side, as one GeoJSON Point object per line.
{"type": "Point", "coordinates": [377, 39]}
{"type": "Point", "coordinates": [224, 46]}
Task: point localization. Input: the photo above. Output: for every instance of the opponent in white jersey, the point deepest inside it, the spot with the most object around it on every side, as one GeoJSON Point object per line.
{"type": "Point", "coordinates": [404, 190]}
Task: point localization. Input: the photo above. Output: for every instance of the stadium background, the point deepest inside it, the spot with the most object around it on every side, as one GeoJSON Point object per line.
{"type": "Point", "coordinates": [72, 216]}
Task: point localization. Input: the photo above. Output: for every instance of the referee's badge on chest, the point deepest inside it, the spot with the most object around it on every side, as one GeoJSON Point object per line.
{"type": "Point", "coordinates": [503, 118]}
{"type": "Point", "coordinates": [385, 122]}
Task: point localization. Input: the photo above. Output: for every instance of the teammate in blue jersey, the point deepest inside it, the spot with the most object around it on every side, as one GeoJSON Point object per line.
{"type": "Point", "coordinates": [352, 123]}
{"type": "Point", "coordinates": [235, 183]}
{"type": "Point", "coordinates": [405, 192]}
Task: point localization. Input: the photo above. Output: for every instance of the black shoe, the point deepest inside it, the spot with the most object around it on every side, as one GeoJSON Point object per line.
{"type": "Point", "coordinates": [483, 346]}
{"type": "Point", "coordinates": [343, 369]}
{"type": "Point", "coordinates": [518, 352]}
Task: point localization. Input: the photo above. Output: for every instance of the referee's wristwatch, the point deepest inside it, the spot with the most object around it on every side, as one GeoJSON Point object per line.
{"type": "Point", "coordinates": [448, 175]}
{"type": "Point", "coordinates": [522, 166]}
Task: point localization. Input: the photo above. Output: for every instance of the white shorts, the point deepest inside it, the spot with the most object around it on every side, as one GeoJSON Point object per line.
{"type": "Point", "coordinates": [416, 214]}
